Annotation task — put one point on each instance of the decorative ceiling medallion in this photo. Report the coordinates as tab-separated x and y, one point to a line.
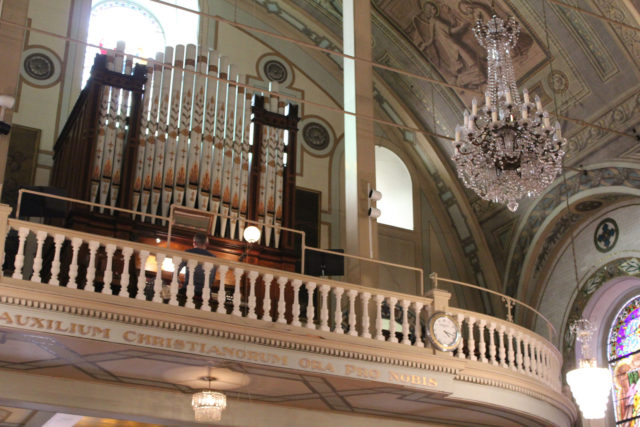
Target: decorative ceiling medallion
273	68
275	71
606	235
588	205
40	66
558	82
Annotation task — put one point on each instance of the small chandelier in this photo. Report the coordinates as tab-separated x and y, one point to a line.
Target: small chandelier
589	384
208	404
505	151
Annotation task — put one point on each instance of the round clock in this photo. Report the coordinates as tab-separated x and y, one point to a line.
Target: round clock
443	331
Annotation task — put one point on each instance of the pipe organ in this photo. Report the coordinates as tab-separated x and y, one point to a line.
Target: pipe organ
182	130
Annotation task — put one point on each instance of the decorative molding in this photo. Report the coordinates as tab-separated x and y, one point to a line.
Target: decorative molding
486	374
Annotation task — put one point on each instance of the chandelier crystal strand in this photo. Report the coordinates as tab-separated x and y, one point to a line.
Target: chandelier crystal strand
506	150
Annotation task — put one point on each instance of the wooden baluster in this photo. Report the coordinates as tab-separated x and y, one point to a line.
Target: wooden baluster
58	240
405	321
392	319
379	334
91	269
482	346
295	308
191	286
471	342
510	352
73	268
352	294
157	283
461	343
223	269
23	232
142	279
502	352
324	308
282	307
519	358
107	277
365	297
492	343
310	286
527	356
237	293
417	306
124	279
37	261
337	313
253	276
266	301
175	285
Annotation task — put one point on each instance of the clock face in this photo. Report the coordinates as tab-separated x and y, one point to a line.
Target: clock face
444	332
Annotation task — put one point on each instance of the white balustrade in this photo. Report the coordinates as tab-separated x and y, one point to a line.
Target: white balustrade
337	314
485	339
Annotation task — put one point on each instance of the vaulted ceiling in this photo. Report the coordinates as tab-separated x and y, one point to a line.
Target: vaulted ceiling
581	58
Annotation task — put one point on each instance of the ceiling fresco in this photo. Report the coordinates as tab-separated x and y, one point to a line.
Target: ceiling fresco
581	58
443	32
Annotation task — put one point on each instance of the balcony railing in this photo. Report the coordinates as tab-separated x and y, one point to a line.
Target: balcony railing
124	269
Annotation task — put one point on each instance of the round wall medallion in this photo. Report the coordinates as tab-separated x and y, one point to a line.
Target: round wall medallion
40	66
606	235
316	136
273	68
275	71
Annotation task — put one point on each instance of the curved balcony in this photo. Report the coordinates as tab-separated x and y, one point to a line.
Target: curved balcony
282	320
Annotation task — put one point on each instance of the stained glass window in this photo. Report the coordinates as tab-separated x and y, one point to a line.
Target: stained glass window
624	363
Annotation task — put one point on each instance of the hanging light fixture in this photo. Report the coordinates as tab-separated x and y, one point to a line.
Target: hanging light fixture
508	149
589	384
208	404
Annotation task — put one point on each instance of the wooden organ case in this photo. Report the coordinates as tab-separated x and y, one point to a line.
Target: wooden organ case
183	130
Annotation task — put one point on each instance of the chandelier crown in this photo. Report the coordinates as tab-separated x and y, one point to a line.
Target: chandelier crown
506	151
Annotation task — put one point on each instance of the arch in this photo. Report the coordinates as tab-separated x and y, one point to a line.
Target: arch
622	178
146	27
393	180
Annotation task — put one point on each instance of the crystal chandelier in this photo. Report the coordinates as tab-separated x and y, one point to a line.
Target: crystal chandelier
208	404
589	384
505	150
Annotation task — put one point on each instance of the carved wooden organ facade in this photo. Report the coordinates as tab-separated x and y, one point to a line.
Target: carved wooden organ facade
183	130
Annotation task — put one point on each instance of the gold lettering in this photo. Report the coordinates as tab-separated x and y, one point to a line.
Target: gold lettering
241	354
433	382
416	379
19	320
158	341
59	327
72	329
304	363
178	345
49	324
349	369
228	351
394	376
6	317
127	338
37	322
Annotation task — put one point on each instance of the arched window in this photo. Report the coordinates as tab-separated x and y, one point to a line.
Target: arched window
146	27
394	182
624	361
